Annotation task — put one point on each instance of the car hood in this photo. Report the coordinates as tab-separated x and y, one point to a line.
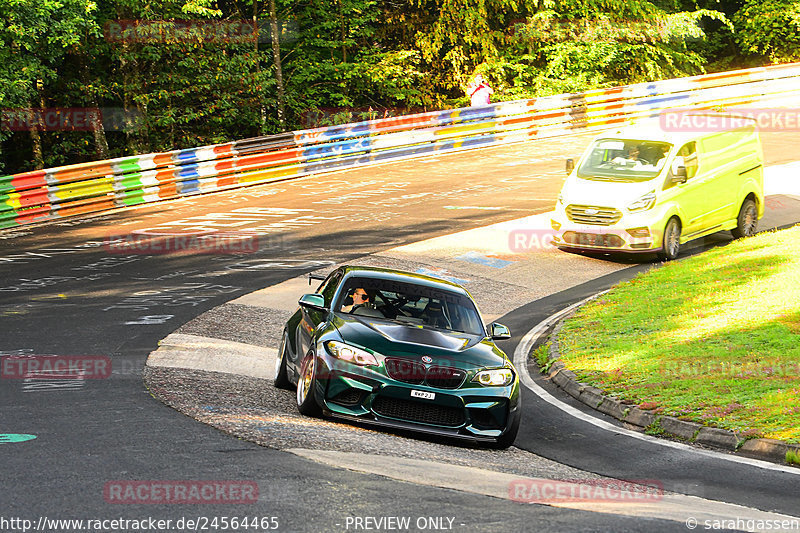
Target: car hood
604	193
460	350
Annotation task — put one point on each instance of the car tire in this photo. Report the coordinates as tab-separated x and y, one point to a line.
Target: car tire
747	221
306	384
281	380
671	241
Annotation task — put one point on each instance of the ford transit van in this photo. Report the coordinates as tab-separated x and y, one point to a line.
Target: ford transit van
641	189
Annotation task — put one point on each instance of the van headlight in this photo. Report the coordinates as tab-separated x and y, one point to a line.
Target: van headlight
642	204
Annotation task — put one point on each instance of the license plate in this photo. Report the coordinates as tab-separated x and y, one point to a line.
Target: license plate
423	394
591	239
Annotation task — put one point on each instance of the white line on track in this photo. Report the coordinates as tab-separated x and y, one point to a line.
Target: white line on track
521	354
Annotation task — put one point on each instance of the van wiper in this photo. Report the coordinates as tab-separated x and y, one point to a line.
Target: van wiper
603	178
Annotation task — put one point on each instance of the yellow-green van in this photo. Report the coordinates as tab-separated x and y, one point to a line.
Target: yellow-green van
641	189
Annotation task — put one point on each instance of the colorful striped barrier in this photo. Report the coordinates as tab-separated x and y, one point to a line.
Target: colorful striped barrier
97	186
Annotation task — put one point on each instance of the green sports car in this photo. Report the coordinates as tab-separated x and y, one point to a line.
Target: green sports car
399	349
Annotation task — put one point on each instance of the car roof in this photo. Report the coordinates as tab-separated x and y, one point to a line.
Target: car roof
402	275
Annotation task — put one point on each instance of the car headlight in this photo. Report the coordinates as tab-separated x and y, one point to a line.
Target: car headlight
644	203
351	354
497	377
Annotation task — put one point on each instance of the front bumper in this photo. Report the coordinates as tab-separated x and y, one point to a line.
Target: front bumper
633	233
470	412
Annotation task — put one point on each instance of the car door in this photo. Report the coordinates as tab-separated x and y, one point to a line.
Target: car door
311	318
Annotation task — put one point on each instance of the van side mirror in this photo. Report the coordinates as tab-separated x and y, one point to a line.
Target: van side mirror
678	171
570	166
680	175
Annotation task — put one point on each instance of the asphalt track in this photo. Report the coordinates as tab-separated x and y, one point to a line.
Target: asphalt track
65	291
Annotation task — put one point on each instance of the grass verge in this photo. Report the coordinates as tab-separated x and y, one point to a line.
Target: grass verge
714	338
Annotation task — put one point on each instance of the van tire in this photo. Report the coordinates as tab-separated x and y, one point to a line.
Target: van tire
671	240
747	221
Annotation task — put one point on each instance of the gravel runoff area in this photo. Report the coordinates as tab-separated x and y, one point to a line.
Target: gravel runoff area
253	410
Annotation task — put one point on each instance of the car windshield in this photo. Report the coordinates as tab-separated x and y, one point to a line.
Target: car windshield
410	304
624	160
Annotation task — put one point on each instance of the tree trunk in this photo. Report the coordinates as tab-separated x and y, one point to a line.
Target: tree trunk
276	54
134	114
98	130
37	126
36	138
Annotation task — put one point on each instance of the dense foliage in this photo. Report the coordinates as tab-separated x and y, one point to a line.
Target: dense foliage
178	73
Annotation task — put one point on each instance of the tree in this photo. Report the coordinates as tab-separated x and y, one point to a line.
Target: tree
35	38
769	28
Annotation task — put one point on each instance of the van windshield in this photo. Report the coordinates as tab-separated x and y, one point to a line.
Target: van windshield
624	160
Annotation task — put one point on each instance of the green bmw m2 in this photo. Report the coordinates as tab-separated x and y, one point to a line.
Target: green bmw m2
402	350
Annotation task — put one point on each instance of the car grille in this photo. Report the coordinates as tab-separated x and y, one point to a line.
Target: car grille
425	413
594	215
445	377
442	377
405	370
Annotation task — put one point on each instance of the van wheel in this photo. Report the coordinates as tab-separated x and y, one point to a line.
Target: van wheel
747	221
672	240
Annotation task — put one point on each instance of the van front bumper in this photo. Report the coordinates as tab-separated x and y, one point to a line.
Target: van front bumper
630	239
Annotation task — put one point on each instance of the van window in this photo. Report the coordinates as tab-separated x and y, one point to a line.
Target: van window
689	153
623	160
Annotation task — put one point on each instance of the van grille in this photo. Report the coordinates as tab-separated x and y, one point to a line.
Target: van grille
593	239
594	215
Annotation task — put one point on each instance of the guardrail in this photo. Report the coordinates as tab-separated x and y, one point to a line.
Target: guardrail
97	186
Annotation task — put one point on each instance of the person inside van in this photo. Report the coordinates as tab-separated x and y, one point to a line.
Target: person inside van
632	159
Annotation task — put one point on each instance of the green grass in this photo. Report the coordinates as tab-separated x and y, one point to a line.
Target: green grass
542	356
792	457
714	338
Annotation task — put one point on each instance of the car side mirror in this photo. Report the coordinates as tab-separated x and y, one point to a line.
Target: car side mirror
499	332
313	301
570	166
